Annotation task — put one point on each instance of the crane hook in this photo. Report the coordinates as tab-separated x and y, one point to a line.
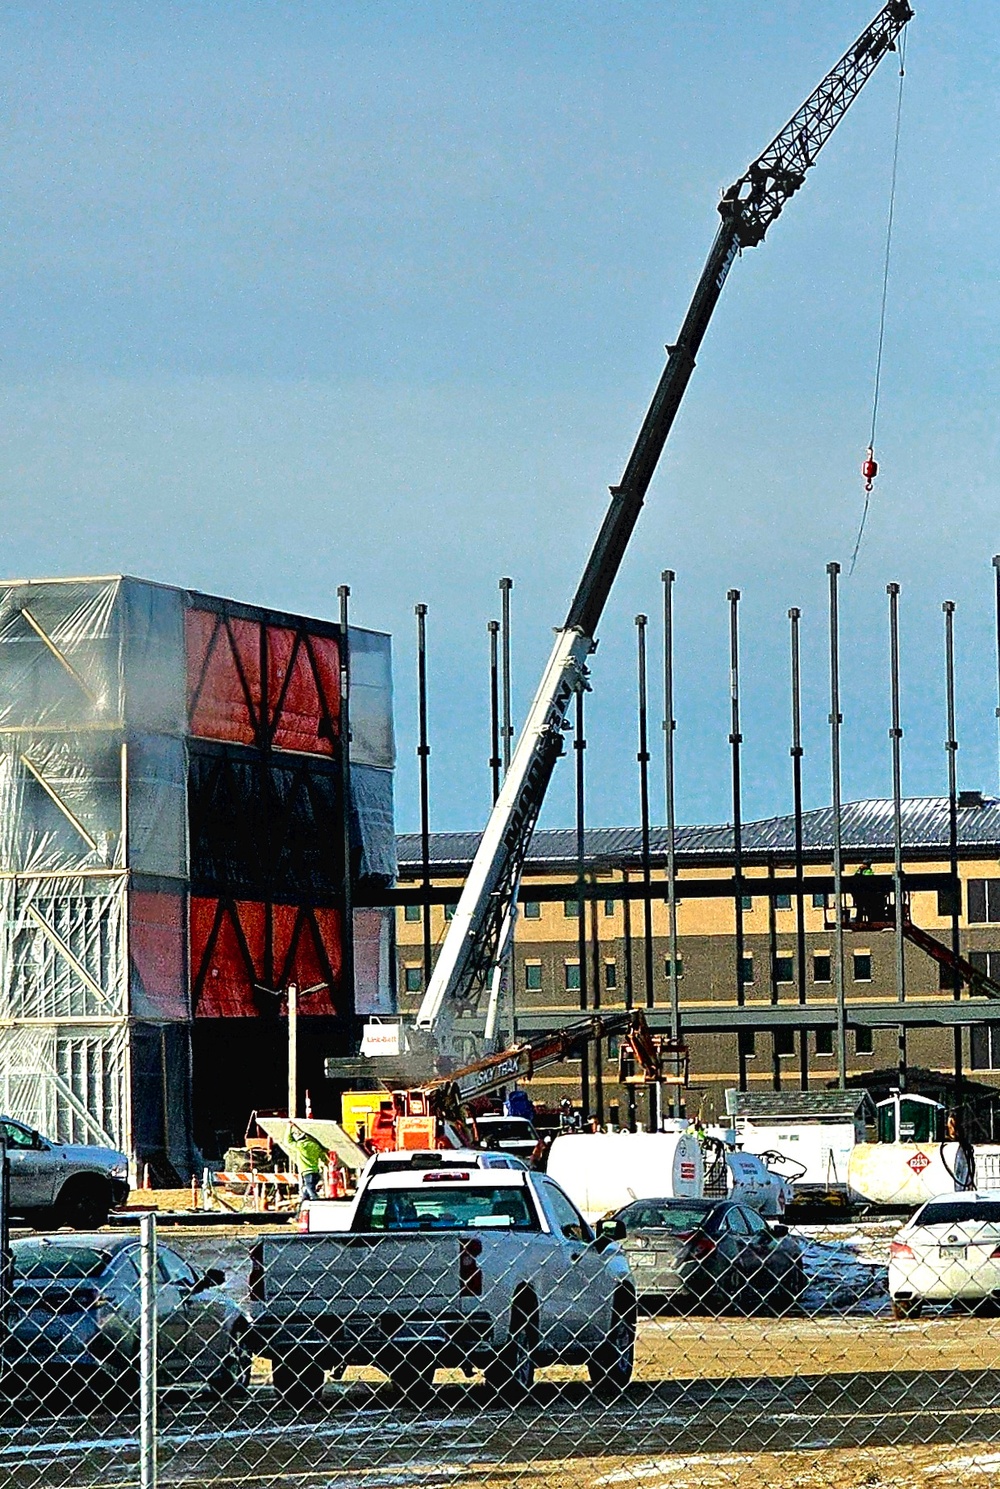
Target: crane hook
869	468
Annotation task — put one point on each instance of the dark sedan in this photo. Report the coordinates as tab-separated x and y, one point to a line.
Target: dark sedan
711	1253
74	1317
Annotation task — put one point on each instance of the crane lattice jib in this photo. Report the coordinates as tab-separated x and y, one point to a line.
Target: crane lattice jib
780	170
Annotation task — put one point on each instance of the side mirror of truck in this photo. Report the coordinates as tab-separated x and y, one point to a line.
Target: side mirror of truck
610	1230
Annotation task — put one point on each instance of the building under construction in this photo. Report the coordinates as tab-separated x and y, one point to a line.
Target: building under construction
177	804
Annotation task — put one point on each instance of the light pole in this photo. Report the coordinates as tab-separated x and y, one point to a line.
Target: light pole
292	993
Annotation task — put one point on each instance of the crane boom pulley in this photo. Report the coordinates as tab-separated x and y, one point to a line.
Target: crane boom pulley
472	944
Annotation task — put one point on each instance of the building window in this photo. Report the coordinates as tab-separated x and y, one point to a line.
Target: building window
746	901
949	901
819	901
411	912
784	1042
984	901
610	974
862	966
573	977
824	1040
782	902
533	976
747	1041
784	969
680	967
449	910
531	910
821	966
985	1046
746	971
987	962
864	1043
413	979
610	906
571	909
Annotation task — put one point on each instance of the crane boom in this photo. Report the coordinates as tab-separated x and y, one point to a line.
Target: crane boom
748	208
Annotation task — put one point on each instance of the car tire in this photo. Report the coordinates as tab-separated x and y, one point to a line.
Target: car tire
610	1369
907	1307
298	1381
511	1374
83	1204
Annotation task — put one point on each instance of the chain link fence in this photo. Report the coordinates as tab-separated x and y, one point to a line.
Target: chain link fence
472	1328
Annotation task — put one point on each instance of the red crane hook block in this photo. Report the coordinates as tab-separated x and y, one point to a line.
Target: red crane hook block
869	468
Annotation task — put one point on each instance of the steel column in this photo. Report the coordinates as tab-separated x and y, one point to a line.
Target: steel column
507	731
836	719
951	747
794	616
347	948
896	736
495	760
423	754
580	745
629	986
669	728
642	756
735	740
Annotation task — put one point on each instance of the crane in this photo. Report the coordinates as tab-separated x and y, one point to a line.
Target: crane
479	934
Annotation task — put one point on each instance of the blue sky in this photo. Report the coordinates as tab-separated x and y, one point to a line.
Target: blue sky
298	295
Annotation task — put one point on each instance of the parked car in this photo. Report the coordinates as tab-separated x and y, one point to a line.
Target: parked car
74	1317
471	1268
948	1252
711	1252
515	1135
65	1182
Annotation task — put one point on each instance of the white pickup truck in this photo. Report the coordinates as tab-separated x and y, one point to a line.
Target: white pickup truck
473	1269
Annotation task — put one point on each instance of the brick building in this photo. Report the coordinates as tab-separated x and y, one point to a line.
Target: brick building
786	1031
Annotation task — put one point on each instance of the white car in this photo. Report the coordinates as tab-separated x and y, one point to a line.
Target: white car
948	1252
508	1134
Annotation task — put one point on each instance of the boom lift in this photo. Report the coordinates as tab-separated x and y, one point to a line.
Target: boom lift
433	1115
478	936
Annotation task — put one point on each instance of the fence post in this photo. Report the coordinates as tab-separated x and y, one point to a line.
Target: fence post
147	1352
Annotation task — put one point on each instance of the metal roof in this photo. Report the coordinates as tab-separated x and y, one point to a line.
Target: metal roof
866	830
823	1104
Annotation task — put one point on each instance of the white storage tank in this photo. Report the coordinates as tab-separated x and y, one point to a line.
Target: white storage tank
602	1171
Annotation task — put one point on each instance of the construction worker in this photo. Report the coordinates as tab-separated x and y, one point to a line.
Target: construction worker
870	900
308	1156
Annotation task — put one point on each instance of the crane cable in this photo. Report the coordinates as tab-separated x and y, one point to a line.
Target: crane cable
870	469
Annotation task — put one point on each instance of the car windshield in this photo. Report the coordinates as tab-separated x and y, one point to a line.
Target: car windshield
438	1206
663	1216
955	1211
41	1261
507	1128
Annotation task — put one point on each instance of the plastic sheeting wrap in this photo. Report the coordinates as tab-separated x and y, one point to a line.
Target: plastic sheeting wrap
264	824
374	983
373	740
261	680
373	836
87	652
241	948
69	1083
62	948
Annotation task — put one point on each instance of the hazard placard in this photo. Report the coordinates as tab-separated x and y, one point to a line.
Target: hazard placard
918	1162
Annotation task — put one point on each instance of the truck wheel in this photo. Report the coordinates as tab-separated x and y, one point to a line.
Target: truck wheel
512	1373
84	1204
231	1381
298	1381
610	1369
907	1307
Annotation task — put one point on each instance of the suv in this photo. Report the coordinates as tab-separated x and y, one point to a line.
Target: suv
510	1134
77	1186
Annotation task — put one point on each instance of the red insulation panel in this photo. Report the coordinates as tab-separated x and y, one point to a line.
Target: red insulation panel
240	946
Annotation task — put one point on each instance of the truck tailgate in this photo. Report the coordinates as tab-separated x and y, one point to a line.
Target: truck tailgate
361	1274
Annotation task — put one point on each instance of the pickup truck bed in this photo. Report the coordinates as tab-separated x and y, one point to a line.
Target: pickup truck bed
475	1269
